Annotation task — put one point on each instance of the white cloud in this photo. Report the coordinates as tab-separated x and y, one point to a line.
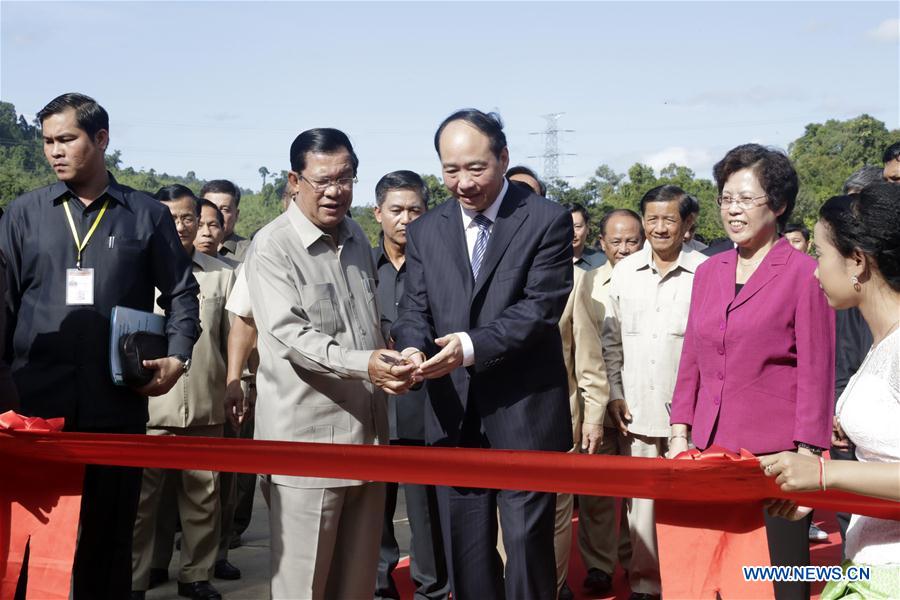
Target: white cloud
887	31
698	160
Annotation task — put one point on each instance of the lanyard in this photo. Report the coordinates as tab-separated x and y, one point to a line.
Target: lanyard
82	244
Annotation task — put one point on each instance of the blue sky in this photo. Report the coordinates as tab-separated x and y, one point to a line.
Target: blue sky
222	88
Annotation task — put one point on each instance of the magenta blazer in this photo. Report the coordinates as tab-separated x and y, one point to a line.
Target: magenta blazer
757	370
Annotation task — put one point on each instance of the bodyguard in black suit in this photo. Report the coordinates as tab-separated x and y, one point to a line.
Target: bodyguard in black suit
488	274
400	198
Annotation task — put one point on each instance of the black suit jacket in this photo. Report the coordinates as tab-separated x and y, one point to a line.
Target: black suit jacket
516	392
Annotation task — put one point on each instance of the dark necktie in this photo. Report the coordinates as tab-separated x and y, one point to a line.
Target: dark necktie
481	241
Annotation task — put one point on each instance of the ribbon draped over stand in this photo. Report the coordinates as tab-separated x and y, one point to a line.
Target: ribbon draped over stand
713	477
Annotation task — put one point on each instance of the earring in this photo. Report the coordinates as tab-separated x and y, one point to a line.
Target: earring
855	281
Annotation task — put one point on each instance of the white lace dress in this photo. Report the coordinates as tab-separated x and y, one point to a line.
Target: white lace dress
869	413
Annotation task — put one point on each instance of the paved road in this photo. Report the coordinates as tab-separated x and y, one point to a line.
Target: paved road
252	558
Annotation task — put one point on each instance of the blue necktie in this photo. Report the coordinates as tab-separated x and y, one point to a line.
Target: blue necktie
481	241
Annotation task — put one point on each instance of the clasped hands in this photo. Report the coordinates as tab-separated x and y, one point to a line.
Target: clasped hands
396	372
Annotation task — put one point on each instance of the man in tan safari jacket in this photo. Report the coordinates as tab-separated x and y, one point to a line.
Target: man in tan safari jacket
195	407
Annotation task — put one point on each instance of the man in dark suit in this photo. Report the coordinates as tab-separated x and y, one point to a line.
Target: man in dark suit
401	197
488	274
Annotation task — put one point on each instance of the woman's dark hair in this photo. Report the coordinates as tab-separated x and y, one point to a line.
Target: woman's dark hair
868	222
324	140
772	168
176	191
490	124
668	193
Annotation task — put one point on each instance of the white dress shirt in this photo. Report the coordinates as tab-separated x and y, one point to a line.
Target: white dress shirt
470	228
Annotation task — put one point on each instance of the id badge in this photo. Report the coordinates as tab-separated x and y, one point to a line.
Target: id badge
79	287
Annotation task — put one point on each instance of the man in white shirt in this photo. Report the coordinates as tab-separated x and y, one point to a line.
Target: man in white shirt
649	298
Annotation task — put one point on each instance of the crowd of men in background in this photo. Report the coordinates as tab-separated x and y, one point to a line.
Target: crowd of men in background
469	328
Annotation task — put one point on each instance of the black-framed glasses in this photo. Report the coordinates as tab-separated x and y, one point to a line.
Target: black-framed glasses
344	183
744	202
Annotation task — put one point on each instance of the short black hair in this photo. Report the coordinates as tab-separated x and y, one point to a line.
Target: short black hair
861	178
772	168
401	180
792	227
868	222
175	192
892	152
490	124
575	207
90	116
222	186
324	140
210	204
695	204
523	170
668	193
621	212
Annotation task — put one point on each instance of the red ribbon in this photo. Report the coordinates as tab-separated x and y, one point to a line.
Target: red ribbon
713	476
43	470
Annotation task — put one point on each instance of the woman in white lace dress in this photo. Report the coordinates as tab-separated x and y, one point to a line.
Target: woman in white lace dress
858	242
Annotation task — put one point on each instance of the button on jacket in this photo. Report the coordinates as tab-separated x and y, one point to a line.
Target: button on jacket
60	353
643	333
318	319
198	396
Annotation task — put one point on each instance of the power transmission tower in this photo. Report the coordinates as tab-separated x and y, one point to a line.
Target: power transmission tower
551	146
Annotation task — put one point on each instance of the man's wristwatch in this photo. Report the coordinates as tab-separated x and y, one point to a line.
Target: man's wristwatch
185	362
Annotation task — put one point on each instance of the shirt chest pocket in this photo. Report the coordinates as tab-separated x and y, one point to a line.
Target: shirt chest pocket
633	315
677	317
321	305
211	310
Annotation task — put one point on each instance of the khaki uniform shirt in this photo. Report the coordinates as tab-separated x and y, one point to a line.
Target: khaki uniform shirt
197	398
234	247
643	333
578	327
600	292
318	321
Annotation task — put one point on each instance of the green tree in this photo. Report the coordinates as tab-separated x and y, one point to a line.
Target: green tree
827	153
437	191
264	172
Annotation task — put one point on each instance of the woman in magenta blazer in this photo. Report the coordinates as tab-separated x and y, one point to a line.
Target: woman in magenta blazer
757	367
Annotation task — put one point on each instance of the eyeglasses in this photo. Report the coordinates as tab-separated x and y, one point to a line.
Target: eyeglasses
184	220
744	202
344	183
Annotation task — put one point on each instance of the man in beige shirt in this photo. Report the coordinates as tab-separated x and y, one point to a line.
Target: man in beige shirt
649	298
192	407
602	535
321	355
588	395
